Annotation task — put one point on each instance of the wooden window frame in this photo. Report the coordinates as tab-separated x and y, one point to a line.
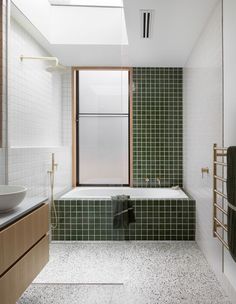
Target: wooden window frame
74	119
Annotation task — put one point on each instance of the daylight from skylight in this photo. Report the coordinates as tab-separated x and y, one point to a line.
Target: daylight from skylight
106	3
102	25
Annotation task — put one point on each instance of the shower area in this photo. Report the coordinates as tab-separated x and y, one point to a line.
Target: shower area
128	140
38	113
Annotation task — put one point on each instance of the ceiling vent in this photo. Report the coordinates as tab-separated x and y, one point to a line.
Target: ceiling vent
146	23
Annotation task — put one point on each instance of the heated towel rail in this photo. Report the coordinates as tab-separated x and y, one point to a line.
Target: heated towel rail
220	229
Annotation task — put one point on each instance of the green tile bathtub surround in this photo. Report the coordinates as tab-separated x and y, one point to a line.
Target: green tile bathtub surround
155	220
157	126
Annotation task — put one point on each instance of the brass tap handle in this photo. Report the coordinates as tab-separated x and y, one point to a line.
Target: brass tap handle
205	171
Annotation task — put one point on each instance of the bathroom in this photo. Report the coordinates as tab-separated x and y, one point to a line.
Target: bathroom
117	135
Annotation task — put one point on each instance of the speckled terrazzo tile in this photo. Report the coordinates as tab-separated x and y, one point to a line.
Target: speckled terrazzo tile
67	294
152	272
88	263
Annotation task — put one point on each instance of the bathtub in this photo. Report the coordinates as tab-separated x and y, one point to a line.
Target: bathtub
86	214
134	193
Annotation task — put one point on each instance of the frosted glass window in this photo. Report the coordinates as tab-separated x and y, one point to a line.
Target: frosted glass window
103	153
103	121
103	91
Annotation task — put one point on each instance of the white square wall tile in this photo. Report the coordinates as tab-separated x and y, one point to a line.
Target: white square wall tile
39	118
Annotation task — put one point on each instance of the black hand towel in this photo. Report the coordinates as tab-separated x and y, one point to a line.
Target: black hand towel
123	211
231	195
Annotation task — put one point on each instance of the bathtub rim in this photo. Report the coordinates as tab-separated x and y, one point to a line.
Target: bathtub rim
106	198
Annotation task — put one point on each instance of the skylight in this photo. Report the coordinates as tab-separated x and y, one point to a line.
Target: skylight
85	25
93	3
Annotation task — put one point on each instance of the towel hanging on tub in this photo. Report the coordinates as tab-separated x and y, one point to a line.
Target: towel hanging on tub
123	211
231	195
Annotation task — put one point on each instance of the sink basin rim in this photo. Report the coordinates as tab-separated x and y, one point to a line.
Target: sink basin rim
5	190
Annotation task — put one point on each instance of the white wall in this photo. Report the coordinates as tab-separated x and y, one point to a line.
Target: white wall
35	107
2	166
35	119
203	127
3	97
229	72
67	108
229	21
38	12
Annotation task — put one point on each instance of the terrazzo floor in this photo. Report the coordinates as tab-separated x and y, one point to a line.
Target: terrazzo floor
125	273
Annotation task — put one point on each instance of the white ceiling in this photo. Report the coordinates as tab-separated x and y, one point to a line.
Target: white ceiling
176	28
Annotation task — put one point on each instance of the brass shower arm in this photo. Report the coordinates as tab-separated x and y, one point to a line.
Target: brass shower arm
22	57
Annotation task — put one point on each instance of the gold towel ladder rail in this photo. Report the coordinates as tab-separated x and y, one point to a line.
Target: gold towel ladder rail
220	228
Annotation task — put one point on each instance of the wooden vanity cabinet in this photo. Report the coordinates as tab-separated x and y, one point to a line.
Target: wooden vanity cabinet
24	251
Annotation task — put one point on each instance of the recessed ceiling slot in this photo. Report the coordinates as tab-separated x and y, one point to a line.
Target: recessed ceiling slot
146	21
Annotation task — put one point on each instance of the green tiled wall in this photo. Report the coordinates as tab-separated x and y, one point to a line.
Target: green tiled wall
155	220
157	126
157	152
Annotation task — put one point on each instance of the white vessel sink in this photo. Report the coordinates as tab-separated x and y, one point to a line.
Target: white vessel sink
11	196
